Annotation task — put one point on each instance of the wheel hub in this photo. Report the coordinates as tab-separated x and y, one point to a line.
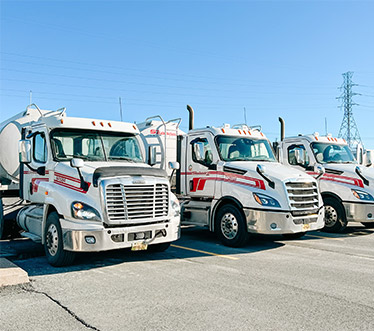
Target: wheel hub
52	240
331	216
229	226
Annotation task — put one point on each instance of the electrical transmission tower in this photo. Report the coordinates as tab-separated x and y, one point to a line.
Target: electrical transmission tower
348	129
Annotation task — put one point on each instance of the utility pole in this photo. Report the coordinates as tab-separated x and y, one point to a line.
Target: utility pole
348	129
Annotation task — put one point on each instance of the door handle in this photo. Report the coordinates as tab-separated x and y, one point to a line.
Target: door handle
191	185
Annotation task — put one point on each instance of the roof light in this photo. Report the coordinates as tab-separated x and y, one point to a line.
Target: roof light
223	130
134	126
101	123
239	132
62	121
110	125
93	123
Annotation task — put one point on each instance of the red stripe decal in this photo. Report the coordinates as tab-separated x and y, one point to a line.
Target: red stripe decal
73	179
75	188
199	182
340	179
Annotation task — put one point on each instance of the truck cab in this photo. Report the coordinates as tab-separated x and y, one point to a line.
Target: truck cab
230	181
347	188
88	187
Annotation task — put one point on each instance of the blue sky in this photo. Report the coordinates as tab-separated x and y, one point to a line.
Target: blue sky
275	58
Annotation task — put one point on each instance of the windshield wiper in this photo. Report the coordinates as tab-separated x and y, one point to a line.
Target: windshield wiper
122	158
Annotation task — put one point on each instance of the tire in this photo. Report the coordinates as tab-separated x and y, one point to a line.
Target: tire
369	225
293	236
230	226
1	219
335	219
53	243
159	247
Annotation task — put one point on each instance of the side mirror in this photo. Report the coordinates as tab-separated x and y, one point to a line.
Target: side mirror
77	163
318	168
152	155
24	150
300	157
196	149
174	165
261	169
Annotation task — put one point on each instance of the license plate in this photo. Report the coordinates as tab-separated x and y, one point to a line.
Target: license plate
306	226
139	246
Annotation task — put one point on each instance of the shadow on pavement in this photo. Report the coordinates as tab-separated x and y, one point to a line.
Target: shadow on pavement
195	242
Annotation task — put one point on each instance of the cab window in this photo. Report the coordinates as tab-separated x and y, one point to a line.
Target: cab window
201	151
40	148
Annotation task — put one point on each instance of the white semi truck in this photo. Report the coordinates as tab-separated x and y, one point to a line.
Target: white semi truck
230	181
347	188
85	185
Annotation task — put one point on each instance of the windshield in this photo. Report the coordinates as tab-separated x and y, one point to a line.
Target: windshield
244	149
331	153
95	145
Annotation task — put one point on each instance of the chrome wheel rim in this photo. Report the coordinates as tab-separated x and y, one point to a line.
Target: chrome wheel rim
331	216
52	240
229	226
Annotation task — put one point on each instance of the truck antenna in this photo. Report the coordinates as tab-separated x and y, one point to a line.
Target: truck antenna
30	98
120	107
326	125
245	116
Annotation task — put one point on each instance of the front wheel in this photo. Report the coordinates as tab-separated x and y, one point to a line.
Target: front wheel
369	225
335	220
53	243
230	226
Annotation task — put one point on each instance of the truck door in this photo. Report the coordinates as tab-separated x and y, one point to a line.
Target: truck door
201	164
36	172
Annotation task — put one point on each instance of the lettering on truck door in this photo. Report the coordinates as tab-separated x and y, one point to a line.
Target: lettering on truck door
201	167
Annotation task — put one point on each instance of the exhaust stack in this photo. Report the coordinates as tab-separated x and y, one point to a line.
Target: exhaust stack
191	120
281	128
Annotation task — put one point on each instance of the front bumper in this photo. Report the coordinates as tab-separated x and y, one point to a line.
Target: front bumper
269	222
359	212
121	237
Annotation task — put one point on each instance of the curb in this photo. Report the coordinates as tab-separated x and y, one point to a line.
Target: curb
10	274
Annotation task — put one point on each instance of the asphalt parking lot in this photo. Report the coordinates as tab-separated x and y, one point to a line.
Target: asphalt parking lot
322	281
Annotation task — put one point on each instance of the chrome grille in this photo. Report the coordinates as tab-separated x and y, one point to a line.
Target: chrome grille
135	202
303	197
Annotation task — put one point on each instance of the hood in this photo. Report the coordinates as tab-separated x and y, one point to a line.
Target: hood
273	170
349	170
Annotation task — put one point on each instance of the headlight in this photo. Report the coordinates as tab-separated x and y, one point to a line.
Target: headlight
175	206
265	200
84	212
362	195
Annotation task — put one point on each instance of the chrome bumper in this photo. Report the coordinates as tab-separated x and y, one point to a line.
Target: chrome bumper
122	237
268	222
359	212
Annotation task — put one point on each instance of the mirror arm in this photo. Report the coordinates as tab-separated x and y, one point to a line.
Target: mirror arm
84	185
270	182
366	182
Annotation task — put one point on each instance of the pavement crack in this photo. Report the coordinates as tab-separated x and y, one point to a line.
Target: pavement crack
31	289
